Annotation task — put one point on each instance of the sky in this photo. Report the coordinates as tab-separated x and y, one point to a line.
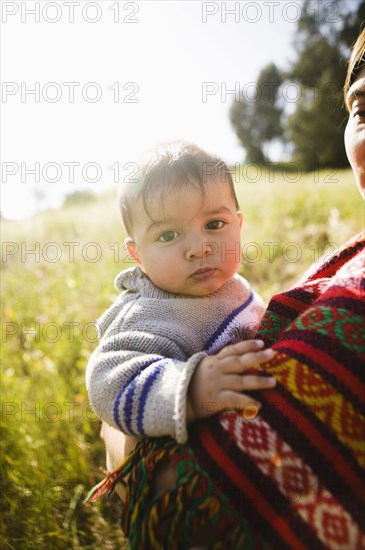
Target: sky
88	86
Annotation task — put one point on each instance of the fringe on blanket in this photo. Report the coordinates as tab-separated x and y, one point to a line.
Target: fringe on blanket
175	518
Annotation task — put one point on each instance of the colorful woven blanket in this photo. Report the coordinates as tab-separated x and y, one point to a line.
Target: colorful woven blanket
292	477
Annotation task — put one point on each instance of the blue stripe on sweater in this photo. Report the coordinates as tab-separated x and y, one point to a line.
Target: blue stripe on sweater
128	389
128	404
148	383
227	320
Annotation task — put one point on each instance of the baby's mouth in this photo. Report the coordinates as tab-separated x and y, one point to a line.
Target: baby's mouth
203	273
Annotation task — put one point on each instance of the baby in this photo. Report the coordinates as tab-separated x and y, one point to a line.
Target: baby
159	366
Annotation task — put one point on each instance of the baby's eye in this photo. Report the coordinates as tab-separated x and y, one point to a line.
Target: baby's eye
215	224
168	236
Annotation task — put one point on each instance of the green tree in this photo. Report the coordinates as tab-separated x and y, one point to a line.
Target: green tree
316	126
314	122
257	120
353	22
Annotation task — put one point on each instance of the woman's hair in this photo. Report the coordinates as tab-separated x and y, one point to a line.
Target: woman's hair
170	167
357	61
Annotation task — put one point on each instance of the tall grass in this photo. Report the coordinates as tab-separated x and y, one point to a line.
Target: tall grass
50	449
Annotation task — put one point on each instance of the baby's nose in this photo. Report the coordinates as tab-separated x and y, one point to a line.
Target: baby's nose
198	249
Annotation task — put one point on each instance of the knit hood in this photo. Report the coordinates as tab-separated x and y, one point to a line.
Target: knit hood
131	279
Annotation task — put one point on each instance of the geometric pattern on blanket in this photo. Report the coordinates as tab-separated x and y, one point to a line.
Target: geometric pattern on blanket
296	481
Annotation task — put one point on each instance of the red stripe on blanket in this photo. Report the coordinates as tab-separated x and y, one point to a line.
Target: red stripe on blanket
328	363
249	489
334	263
354	293
303	426
290	302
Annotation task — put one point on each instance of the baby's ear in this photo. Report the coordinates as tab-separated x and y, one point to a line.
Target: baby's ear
132	248
240	217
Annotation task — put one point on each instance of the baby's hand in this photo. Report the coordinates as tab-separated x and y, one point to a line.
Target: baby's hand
219	380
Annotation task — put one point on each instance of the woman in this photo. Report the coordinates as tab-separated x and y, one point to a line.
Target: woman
294	476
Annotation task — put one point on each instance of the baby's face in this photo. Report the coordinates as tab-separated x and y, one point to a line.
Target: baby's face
189	243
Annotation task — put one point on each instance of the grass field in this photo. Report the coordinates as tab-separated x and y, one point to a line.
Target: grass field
57	278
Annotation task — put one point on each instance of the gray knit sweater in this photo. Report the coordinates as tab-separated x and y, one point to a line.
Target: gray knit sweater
150	343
